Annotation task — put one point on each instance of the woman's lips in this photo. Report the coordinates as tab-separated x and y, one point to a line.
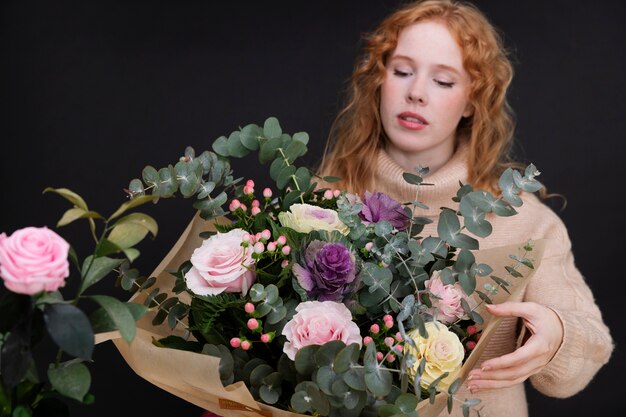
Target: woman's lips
412	121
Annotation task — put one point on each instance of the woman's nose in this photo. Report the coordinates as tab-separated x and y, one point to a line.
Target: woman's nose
417	91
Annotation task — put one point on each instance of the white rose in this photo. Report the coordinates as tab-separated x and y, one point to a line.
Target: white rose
305	218
443	352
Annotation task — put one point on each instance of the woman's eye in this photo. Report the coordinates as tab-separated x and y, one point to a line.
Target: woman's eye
443	83
399	73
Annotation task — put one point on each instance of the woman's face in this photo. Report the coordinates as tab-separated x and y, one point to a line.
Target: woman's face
424	95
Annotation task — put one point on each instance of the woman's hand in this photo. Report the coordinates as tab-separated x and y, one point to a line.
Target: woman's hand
546	336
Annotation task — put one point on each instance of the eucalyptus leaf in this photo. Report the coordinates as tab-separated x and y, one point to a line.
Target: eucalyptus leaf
250	135
509	189
305	359
235	147
220	146
412	178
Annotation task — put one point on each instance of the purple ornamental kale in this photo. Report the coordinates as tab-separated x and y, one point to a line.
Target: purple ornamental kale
327	271
379	206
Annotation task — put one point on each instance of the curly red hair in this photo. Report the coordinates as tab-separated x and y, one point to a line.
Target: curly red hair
357	134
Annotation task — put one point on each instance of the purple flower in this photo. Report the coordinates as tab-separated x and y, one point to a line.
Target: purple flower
379	206
326	271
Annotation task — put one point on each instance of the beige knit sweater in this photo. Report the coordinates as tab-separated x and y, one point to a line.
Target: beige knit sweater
587	343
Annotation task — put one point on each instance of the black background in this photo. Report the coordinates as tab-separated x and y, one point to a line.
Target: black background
92	91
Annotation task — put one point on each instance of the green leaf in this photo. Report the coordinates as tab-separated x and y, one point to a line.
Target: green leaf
220	146
528	183
188	175
383	228
69	195
503	209
474	218
468	283
77	213
272	129
276	167
260	372
510	191
102	322
96	270
301	402
449	229
119	314
301	137
70	329
132	229
269	395
235	147
294	150
21	411
482	269
227	363
71	379
284	177
377	379
407	403
412	178
135	187
135	202
269	150
303	178
250	136
305	359
326	355
330	179
513	272
168	184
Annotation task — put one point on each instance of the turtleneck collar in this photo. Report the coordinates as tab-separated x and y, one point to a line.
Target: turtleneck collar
388	179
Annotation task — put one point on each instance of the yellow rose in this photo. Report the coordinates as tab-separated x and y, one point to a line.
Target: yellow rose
443	352
305	218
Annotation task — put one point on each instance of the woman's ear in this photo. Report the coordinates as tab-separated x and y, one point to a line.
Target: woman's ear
469	110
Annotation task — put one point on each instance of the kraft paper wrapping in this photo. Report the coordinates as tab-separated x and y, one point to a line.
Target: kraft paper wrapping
195	377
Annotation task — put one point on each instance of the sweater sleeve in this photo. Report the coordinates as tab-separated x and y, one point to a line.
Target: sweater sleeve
587	343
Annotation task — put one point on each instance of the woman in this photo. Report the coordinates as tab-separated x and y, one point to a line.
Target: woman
430	90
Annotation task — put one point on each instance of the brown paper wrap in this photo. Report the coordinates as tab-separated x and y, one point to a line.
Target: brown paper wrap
195	377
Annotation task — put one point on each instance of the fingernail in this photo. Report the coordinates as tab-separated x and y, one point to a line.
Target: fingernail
469	378
485	368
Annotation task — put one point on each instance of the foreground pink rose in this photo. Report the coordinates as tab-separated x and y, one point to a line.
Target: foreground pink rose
447	299
33	259
318	322
221	265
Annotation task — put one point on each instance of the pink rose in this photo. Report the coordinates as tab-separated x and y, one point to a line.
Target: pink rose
221	265
33	259
318	322
447	299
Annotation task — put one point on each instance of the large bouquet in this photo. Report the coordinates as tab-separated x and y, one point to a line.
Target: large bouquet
305	299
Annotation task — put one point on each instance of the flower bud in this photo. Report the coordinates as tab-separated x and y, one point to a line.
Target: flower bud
250	183
281	240
284	263
266	338
379	356
470	345
367	340
328	194
471	329
243	207
271	246
267	193
286	250
235	342
390	358
255	203
246	238
245	345
248	190
399	348
266	234
253	324
255	210
259	247
368	246
234	205
249	308
336	193
399	337
374	328
389	341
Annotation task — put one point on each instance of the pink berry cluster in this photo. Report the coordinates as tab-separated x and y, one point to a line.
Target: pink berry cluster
471	338
388	345
263	246
255	329
239	207
330	194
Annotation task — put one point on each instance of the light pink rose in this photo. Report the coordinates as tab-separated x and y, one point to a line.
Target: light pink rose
33	259
221	265
447	299
318	322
